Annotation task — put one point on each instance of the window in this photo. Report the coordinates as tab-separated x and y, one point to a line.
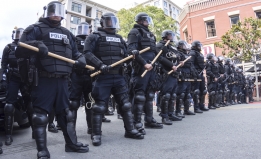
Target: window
98	14
210	27
174	16
76	7
234	19
75	20
258	14
178	12
73	30
185	33
156	3
166	11
173	9
165	4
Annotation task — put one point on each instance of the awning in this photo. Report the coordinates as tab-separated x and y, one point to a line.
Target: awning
252	69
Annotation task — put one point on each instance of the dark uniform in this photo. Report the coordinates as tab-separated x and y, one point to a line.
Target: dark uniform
14	84
169	87
103	48
81	82
51	90
212	72
187	71
221	85
228	81
143	88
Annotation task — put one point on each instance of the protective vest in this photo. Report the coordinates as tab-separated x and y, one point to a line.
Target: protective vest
214	69
80	44
187	65
147	40
109	48
57	42
221	68
199	60
12	60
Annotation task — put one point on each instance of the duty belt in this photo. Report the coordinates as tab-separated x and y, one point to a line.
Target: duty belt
82	71
52	75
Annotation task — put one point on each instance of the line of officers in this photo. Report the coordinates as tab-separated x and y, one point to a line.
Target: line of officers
49	84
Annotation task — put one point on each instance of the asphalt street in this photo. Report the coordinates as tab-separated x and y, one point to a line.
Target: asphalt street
232	132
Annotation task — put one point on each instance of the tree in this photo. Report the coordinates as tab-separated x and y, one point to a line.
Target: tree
242	40
161	21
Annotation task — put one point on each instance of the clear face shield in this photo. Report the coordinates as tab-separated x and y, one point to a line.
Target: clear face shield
185	46
111	22
215	59
172	37
55	9
148	20
83	29
18	33
221	59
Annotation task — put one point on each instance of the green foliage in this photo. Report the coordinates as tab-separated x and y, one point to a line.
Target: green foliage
161	21
242	40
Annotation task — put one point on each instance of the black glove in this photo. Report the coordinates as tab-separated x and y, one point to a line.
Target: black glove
165	49
105	68
3	85
80	62
135	53
43	50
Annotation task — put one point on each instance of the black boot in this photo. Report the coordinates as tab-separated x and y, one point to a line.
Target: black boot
1	144
198	111
153	124
165	108
119	116
180	115
40	121
179	105
186	108
211	100
171	106
202	102
9	120
52	128
89	118
105	120
196	102
67	123
166	121
139	101
96	129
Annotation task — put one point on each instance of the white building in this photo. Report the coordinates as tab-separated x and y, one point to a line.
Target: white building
83	11
169	8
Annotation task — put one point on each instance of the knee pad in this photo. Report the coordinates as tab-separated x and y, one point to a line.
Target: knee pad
221	91
196	92
74	105
212	93
204	92
166	97
140	97
99	107
39	117
126	106
235	95
173	96
150	96
181	96
9	109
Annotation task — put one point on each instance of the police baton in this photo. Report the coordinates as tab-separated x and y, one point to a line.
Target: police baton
53	55
121	61
154	60
180	64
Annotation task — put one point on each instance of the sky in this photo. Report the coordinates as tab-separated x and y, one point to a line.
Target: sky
23	13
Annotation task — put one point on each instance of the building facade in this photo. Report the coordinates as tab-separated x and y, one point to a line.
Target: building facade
208	20
83	11
169	8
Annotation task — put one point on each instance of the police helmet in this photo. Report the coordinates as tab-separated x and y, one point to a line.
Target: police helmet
228	61
196	45
169	35
109	20
183	46
141	17
83	29
17	33
54	8
220	59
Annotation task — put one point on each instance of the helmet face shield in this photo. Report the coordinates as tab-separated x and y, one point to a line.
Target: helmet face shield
215	58
111	22
172	37
83	29
147	19
55	9
18	33
185	46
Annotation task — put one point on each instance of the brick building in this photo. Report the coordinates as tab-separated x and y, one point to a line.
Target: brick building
208	20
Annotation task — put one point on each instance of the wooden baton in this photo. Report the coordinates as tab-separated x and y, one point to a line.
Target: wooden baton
180	64
53	55
154	60
121	61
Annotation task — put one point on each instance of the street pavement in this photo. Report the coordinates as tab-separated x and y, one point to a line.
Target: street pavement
232	132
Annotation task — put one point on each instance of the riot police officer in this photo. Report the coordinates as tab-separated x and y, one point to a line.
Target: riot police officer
199	89
13	84
170	58
81	82
143	88
103	48
229	80
221	85
51	84
240	85
212	80
186	72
